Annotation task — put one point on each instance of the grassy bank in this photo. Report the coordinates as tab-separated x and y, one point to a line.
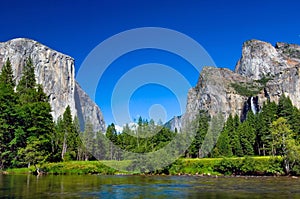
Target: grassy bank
228	166
204	166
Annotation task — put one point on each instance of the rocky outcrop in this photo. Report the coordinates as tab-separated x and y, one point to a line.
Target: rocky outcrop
87	110
55	71
174	124
263	72
280	63
214	93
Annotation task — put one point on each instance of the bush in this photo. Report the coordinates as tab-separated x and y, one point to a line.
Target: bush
250	166
229	166
77	167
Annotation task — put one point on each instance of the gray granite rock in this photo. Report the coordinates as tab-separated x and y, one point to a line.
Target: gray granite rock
56	72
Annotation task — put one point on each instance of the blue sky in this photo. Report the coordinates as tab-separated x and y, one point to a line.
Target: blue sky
76	27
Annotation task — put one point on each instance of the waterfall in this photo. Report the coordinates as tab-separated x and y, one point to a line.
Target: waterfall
253	107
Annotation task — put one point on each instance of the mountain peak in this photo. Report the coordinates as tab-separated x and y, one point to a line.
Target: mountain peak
55	71
260	59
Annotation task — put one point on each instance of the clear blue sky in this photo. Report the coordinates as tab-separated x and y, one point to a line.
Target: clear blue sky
76	27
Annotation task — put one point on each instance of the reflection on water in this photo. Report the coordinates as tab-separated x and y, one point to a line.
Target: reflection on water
93	186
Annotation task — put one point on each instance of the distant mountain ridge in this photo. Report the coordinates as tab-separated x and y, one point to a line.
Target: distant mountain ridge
263	72
56	72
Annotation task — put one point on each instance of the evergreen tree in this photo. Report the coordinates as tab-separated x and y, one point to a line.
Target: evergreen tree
88	141
296	123
70	139
285	108
195	148
111	134
7	77
216	125
247	138
101	147
232	126
8	100
265	119
223	147
290	113
32	138
27	80
26	87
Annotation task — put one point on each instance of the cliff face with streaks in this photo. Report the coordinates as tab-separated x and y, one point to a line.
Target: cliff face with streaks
56	72
263	72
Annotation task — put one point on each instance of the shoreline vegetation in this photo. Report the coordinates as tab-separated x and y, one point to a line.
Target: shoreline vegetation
237	166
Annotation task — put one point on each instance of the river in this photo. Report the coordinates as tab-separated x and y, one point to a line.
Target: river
97	186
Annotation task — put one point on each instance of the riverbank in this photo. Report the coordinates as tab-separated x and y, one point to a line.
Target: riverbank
258	166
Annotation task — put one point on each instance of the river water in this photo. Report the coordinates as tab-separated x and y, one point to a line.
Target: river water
97	186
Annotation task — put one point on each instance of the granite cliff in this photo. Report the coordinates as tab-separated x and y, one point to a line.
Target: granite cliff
56	72
263	72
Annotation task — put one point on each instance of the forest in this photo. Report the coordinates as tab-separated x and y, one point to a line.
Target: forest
29	136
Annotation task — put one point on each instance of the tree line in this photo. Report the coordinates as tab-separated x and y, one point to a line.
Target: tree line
273	131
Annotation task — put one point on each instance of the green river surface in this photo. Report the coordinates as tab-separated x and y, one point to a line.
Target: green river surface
99	186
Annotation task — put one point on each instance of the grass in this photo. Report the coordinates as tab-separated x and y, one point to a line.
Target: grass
77	168
19	170
264	165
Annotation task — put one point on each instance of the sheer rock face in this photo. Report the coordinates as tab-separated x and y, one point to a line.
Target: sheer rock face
87	110
214	91
55	71
281	63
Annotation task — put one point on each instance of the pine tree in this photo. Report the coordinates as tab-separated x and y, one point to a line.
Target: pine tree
88	141
27	80
232	126
101	147
265	119
195	148
32	139
70	137
216	125
296	123
285	108
7	77
247	138
111	134
223	147
8	101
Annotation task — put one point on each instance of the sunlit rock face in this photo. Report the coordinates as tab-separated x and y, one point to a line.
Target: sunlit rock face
281	63
55	71
215	91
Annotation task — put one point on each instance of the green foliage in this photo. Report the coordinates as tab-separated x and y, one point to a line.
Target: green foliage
264	80
229	166
27	81
246	89
284	143
78	168
223	147
247	138
195	148
8	103
26	124
251	88
290	113
28	135
265	118
250	166
6	76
